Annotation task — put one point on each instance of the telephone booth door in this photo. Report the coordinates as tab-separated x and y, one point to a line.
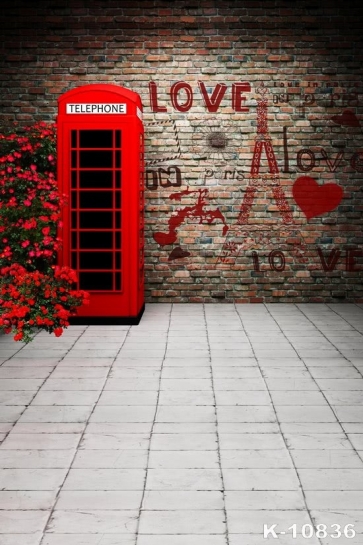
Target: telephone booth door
100	158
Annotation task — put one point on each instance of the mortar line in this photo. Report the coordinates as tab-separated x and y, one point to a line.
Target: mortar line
278	421
217	431
152	430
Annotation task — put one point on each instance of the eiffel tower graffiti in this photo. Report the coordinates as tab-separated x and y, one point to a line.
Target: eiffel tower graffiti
245	235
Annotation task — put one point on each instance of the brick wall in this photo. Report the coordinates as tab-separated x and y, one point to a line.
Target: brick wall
254	148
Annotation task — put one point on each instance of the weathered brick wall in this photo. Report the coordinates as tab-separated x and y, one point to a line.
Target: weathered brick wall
254	149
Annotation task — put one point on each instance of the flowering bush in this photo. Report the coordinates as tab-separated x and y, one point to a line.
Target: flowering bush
30	212
33	299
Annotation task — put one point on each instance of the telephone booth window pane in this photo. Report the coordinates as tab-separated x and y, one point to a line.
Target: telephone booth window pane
118	281
118	260
101	281
94	179
74	159
96	239
118	139
74	179
74	220
95	220
74	199
96	199
118	159
95	159
118	220
74	139
95	139
96	260
118	199
74	260
118	179
74	240
118	240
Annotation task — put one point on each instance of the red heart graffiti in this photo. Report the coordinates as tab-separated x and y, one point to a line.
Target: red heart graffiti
314	199
347	119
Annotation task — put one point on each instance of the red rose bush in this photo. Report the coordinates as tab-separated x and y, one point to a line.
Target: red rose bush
34	292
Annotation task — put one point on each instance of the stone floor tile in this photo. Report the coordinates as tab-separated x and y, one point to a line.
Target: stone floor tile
23	384
32	459
183	441
128	397
114	441
236	372
29	499
183	479
308	397
284	372
73	384
79	372
340	384
184	427
186	397
344	397
334	500
105	479
25	372
22	522
235	397
31	479
185	414
246	459
250	413
12	397
353	413
10	413
304	413
193	459
46	441
310	427
288	384
84	500
251	441
182	522
248	427
93	522
346	372
60	413
222	384
264	499
135	372
132	384
191	384
314	441
48	427
164	500
130	413
326	459
331	479
71	361
260	479
64	397
110	459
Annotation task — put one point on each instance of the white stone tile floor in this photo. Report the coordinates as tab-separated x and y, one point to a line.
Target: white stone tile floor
197	427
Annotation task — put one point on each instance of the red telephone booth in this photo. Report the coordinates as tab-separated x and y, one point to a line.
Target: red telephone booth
100	169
